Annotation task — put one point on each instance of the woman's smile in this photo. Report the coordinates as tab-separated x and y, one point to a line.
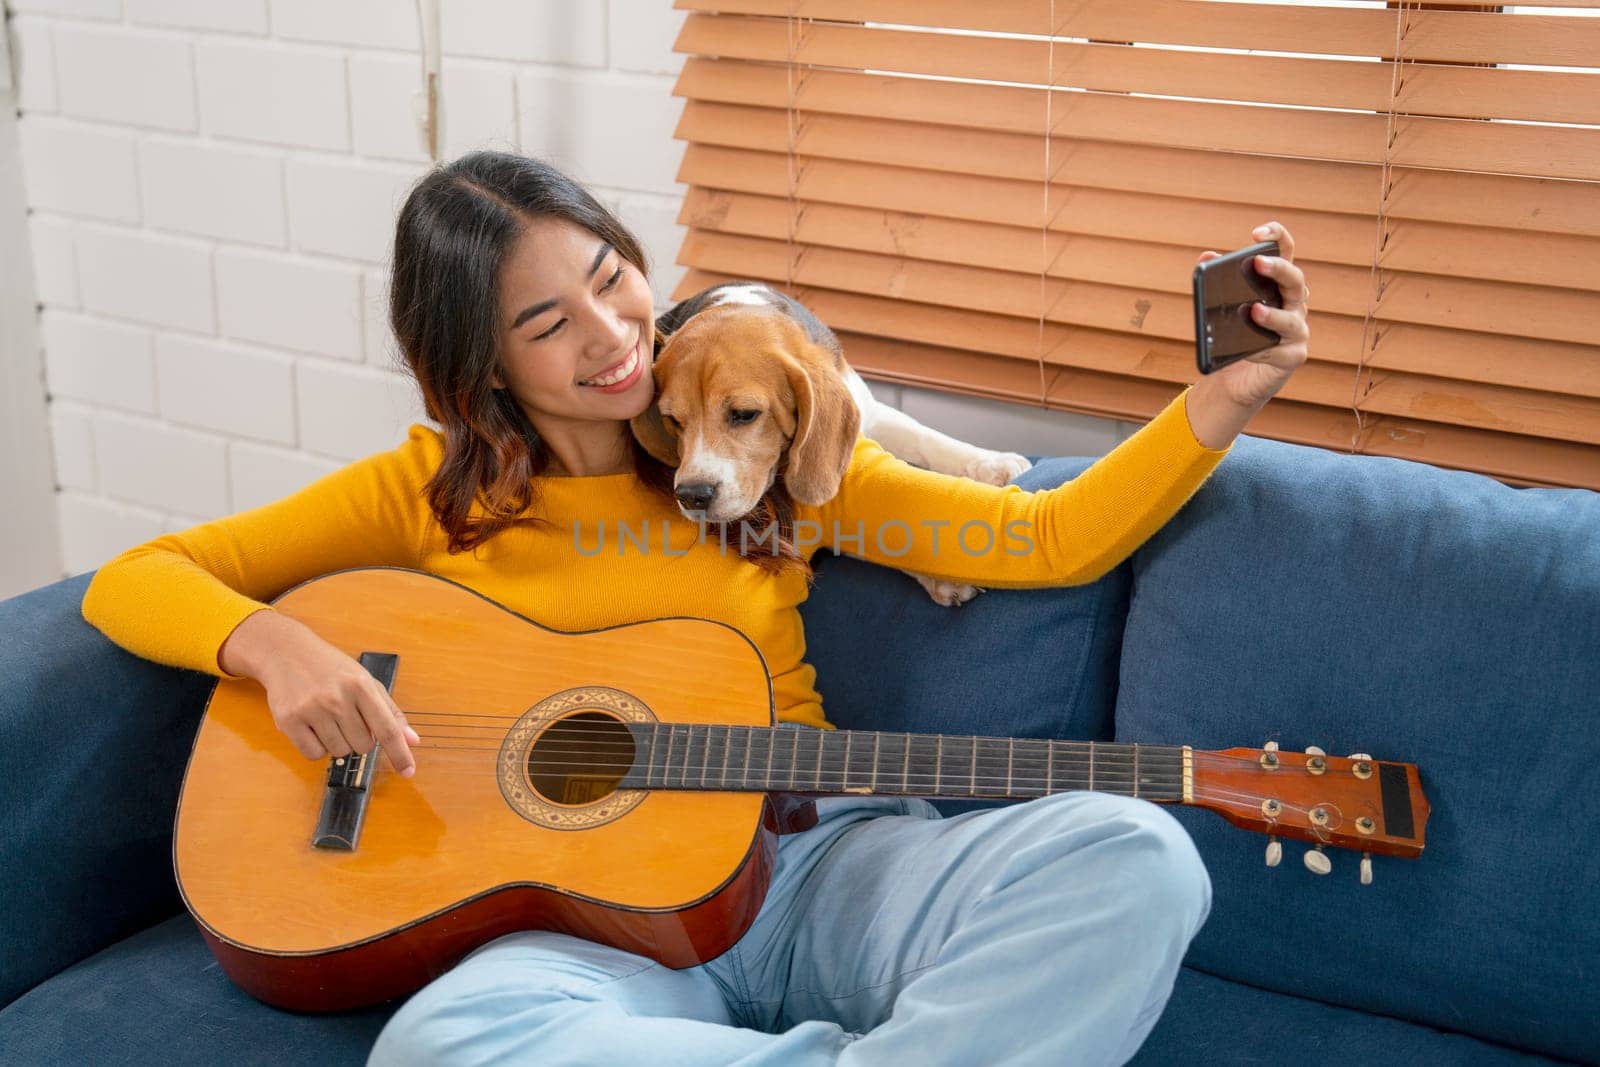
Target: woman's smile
618	376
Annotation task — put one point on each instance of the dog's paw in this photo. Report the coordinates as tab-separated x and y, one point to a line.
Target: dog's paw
950	594
996	468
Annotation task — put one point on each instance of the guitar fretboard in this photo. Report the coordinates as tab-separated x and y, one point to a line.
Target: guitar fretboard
757	759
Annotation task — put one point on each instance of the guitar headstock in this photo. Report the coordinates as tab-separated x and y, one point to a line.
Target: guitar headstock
1353	802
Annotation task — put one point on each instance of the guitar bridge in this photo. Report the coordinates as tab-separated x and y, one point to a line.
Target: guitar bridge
344	800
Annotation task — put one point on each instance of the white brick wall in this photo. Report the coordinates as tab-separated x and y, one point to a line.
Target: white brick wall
72	437
280	94
226	388
212	190
145	276
35	68
239	16
315	305
346	207
77	169
212	187
123	75
98	361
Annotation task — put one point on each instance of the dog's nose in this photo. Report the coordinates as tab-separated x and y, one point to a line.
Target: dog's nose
696	497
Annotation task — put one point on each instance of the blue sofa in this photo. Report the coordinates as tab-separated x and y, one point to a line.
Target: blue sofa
1302	596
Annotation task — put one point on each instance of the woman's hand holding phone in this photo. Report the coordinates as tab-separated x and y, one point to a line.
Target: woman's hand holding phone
1222	402
1253	380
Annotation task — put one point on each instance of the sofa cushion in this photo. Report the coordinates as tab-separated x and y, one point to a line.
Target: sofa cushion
159	997
865	623
1213	1020
1430	616
90	787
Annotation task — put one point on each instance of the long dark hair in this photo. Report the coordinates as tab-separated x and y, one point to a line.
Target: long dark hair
455	230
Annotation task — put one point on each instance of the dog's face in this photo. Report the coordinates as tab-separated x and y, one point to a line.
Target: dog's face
742	395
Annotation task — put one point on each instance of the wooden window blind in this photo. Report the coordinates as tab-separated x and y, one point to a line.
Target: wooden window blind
1006	198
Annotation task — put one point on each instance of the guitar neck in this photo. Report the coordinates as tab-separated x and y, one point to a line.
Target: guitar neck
828	762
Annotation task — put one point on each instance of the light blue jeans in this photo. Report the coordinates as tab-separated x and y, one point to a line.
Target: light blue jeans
1048	932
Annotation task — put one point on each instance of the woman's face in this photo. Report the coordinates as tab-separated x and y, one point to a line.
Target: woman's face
576	329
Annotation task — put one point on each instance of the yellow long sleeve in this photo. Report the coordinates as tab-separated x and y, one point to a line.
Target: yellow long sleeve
176	599
892	513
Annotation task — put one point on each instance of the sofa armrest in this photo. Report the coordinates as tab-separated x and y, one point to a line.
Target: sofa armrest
93	743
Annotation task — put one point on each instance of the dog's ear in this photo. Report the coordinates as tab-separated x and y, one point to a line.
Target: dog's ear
652	433
647	427
826	425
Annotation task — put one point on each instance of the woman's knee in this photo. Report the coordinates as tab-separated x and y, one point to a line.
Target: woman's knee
534	976
1148	851
1172	876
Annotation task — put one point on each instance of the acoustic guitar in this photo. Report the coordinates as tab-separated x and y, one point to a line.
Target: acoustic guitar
624	785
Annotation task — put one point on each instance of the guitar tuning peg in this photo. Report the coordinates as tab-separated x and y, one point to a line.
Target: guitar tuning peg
1366	868
1317	861
1274	851
1313	750
1270	746
1360	755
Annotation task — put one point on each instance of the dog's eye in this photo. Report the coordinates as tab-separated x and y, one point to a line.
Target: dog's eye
739	417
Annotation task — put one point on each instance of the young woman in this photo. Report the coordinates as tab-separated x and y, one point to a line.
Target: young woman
1045	932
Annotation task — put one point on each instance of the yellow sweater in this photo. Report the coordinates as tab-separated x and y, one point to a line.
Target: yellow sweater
616	552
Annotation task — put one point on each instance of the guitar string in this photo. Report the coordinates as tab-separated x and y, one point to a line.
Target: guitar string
1107	757
1070	747
987	775
611	726
840	777
836	779
987	766
838	786
1113	762
839	782
834	764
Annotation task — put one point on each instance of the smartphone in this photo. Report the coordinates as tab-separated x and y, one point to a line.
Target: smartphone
1224	289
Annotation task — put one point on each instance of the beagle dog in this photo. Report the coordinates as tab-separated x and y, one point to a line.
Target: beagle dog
751	384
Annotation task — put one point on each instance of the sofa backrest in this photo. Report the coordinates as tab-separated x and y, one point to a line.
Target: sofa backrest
1020	663
1436	617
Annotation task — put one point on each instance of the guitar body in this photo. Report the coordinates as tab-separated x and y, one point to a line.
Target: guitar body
465	850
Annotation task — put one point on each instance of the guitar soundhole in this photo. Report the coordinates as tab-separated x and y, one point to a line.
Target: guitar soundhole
580	759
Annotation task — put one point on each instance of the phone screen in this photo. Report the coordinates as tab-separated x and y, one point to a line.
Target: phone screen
1224	290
